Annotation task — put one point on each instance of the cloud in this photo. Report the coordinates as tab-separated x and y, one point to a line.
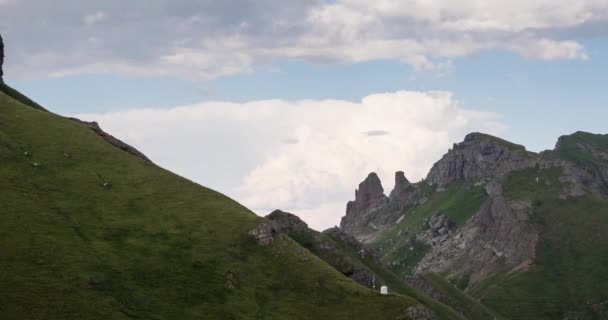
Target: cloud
375	133
291	141
207	39
94	18
240	148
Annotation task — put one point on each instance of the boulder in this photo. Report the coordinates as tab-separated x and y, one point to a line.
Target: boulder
275	225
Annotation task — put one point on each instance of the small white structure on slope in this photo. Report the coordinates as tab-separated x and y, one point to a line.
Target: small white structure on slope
384	290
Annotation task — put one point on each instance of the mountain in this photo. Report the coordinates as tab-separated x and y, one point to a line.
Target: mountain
91	229
521	233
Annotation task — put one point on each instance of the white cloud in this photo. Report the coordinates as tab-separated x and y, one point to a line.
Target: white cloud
307	156
209	39
94	18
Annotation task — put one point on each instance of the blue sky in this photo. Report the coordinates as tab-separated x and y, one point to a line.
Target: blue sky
547	98
245	96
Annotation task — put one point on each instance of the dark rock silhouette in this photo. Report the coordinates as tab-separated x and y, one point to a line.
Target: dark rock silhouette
112	140
1	59
368	198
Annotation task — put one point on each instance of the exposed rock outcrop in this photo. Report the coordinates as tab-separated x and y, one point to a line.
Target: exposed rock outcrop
369	197
1	59
500	234
111	139
401	185
587	155
286	222
479	156
440	224
275	225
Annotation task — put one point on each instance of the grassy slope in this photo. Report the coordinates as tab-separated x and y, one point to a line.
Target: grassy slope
570	275
459	299
150	245
569	148
572	147
9	91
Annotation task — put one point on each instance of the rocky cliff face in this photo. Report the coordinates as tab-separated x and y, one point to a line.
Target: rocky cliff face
1	59
479	156
401	186
369	197
415	228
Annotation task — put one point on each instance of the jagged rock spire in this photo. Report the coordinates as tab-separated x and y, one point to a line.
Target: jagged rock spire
401	183
369	190
1	59
368	197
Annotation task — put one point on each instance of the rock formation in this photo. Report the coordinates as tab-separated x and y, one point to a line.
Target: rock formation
368	198
401	185
111	139
479	156
1	59
499	234
277	224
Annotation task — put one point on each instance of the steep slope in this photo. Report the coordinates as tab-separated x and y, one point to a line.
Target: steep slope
351	258
90	232
504	225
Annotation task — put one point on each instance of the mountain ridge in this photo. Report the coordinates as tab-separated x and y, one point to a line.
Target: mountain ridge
482	211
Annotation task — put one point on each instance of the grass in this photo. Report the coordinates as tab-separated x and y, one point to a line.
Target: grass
339	254
533	182
569	277
569	148
9	91
148	245
472	309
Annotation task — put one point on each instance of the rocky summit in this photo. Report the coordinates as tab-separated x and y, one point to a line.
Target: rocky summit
369	197
490	214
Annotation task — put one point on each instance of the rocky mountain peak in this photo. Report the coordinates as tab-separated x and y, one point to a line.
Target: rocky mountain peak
369	189
1	59
582	140
368	197
401	184
401	180
478	156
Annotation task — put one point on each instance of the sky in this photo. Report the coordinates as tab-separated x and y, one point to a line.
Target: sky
290	104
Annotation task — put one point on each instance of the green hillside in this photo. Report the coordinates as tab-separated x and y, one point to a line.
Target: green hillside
91	232
342	255
569	278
